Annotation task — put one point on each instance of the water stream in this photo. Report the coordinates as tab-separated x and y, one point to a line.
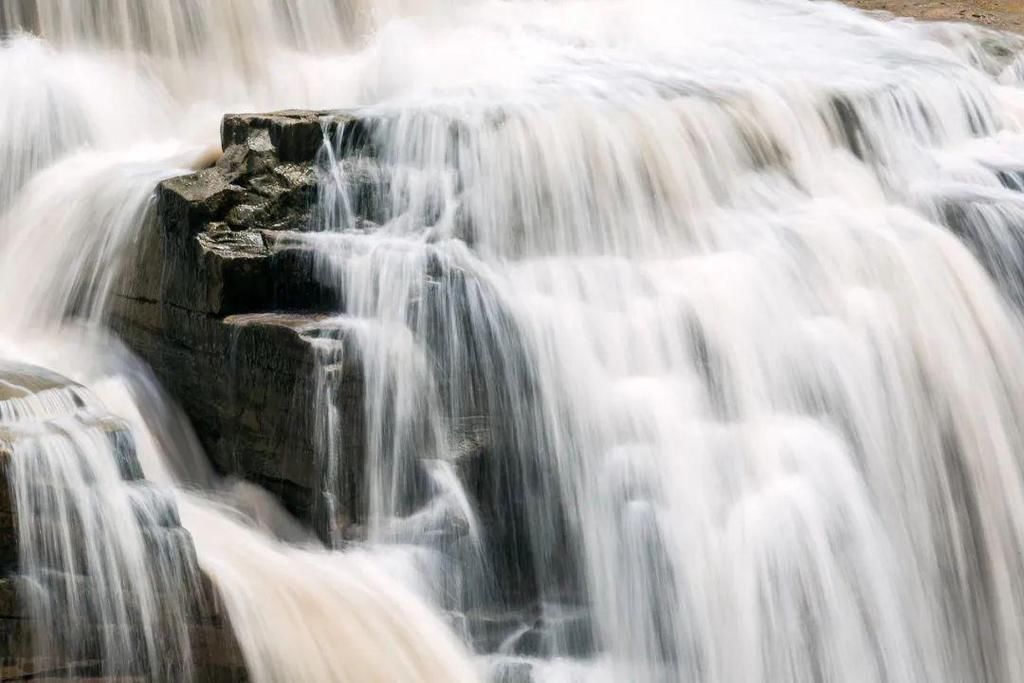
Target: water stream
732	289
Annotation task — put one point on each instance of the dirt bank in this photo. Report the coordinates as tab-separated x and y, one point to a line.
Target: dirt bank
1004	14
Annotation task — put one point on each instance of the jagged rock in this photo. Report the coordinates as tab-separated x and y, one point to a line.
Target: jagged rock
218	259
226	306
296	135
211	253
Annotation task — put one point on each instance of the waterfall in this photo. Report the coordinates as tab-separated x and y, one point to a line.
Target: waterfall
713	308
108	101
689	335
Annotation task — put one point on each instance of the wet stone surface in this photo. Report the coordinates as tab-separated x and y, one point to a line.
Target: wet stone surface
32	405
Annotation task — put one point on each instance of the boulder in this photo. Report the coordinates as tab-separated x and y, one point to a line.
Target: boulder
224	304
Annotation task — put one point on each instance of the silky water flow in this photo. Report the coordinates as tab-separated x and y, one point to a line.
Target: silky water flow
729	294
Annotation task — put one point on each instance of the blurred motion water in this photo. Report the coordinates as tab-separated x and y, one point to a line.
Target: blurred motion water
735	286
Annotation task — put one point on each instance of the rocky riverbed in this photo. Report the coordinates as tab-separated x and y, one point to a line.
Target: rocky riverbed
1001	14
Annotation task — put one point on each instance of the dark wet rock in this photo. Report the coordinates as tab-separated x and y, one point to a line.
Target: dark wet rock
19	428
556	631
567	634
225	304
351	136
216	655
295	135
493	630
248	384
368	184
211	248
510	670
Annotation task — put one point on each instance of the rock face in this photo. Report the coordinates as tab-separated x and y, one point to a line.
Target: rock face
226	307
215	654
227	314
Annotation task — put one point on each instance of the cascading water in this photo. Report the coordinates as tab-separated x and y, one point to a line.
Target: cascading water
755	412
727	294
110	103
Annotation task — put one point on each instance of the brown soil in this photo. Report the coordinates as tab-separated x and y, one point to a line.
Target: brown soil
1003	14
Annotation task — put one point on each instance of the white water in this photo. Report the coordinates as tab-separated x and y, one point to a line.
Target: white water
735	284
89	133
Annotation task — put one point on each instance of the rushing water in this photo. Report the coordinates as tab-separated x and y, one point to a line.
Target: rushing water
732	290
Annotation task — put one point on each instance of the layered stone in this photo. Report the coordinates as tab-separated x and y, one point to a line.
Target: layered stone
216	656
